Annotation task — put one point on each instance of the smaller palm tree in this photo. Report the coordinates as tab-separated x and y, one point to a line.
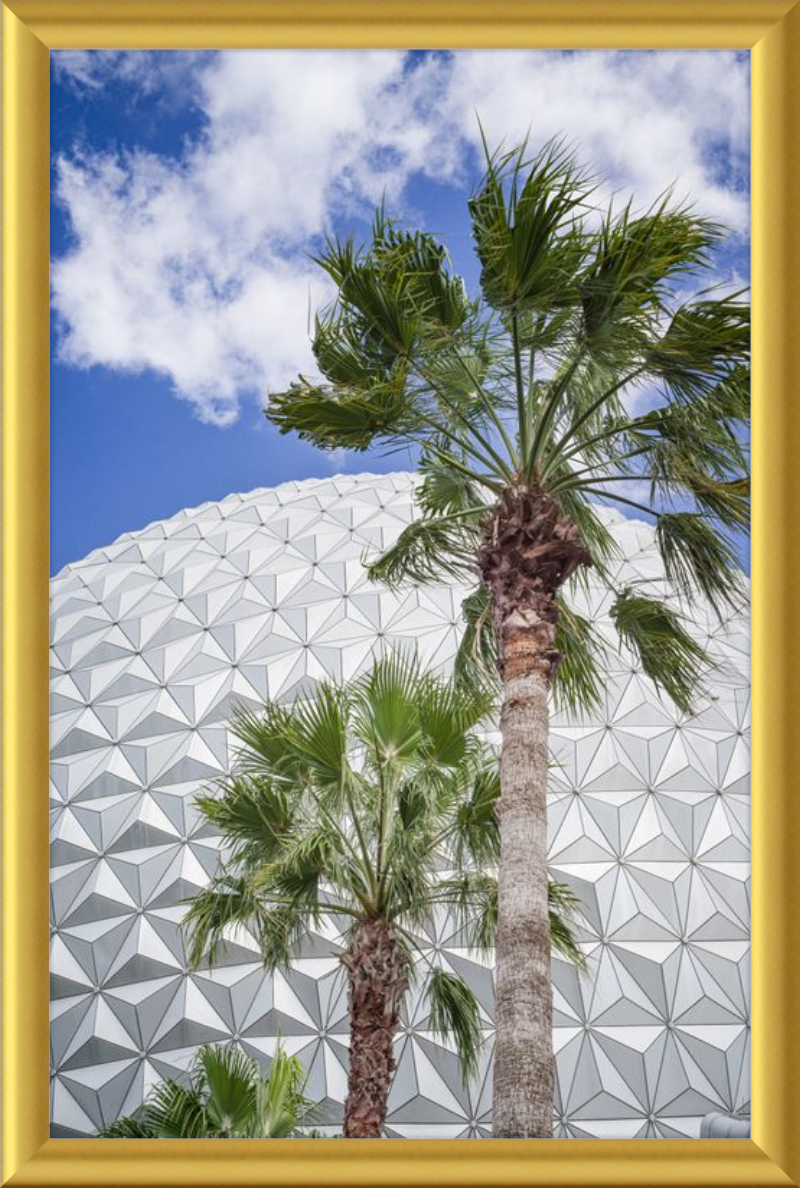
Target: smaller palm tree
373	803
225	1097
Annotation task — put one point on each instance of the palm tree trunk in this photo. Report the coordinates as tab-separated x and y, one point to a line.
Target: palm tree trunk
529	549
376	970
523	1056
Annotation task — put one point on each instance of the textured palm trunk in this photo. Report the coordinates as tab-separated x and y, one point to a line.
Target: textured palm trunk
529	550
376	969
523	1057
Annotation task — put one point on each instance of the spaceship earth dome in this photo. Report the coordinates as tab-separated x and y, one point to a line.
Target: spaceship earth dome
158	636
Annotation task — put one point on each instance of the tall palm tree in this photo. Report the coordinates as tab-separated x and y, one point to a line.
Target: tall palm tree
349	804
583	373
226	1097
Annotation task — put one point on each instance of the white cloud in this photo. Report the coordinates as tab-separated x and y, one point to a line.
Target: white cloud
197	267
647	120
147	71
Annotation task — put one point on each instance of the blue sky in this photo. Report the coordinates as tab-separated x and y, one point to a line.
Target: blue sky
188	190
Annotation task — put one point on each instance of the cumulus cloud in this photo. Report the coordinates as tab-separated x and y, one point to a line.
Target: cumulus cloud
197	266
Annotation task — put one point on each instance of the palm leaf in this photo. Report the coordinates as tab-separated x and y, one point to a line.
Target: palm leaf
281	1107
476	659
128	1128
455	1013
177	1111
527	239
698	559
728	502
225	1097
386	717
579	681
253	815
428	549
594	530
444	490
448	714
564	906
476	830
353	420
668	655
704	341
636	259
229	1077
318	735
227	902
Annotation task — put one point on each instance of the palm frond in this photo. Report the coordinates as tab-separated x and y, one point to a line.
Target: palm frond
229	1076
594	530
704	341
318	734
252	814
578	681
177	1111
728	502
636	259
232	901
669	656
476	659
223	1096
330	419
428	549
386	717
312	855
476	829
698	559
266	753
528	240
281	1107
729	400
564	906
448	714
130	1127
444	490
227	902
471	898
455	1013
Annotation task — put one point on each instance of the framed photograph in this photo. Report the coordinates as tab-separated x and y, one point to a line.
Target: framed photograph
390	735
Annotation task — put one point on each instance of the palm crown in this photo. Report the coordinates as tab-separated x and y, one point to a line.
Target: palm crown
373	803
519	403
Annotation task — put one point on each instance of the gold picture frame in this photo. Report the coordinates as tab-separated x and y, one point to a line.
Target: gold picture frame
771	29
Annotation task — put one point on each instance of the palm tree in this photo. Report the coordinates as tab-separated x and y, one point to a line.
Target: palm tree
350	804
582	374
226	1097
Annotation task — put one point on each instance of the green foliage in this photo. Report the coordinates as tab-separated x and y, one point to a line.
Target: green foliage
672	659
628	283
373	786
529	388
472	899
426	550
527	233
353	419
225	1096
565	907
701	341
476	658
578	681
697	558
454	1012
476	832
